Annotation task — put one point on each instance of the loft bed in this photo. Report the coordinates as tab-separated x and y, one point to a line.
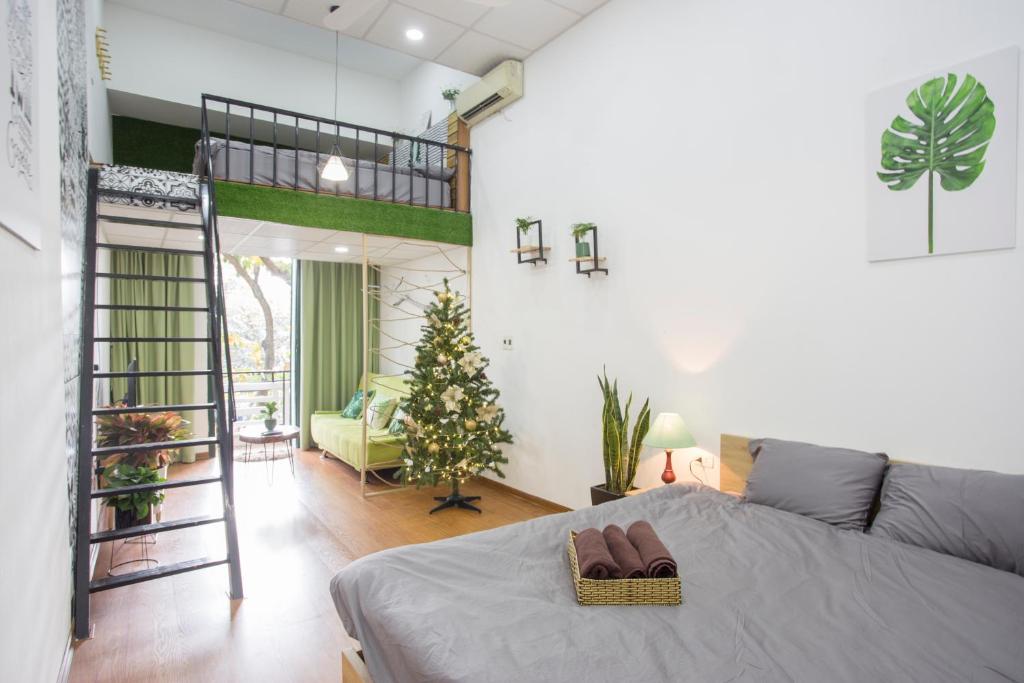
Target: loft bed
277	148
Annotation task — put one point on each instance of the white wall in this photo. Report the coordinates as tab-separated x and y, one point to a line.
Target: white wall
160	58
421	93
734	225
35	574
406	280
100	148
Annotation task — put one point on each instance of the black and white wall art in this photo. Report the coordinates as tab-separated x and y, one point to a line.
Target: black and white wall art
20	211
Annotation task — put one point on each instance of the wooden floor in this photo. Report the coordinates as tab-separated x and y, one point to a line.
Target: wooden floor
294	533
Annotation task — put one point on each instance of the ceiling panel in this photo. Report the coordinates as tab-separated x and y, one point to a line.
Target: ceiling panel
521	27
461	12
476	53
527	23
389	31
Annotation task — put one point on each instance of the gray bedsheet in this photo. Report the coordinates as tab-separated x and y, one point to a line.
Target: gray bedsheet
769	596
433	191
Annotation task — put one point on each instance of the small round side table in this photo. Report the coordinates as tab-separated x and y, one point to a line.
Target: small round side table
255	435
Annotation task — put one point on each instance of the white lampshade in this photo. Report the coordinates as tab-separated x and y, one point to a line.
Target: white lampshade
334	169
668	432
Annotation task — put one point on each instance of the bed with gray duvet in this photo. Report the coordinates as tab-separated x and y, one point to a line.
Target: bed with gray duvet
769	595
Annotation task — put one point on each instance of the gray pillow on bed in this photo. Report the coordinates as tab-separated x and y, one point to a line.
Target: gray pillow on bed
972	514
834	485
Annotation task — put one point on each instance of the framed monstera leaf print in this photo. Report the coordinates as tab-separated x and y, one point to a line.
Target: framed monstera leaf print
941	161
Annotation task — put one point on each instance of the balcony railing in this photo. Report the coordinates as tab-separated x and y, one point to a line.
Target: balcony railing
253	388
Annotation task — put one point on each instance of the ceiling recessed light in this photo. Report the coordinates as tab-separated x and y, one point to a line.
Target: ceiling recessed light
341	250
414	34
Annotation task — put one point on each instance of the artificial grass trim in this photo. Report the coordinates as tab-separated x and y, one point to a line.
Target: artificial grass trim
343	213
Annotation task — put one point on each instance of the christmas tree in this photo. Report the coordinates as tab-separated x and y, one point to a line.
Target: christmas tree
453	422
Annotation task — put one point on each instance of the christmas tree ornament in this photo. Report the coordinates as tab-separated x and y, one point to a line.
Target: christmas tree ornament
450	400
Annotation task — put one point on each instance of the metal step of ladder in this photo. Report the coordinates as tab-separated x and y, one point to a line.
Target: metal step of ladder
219	405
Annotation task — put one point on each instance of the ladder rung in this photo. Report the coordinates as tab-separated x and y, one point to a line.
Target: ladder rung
159	486
152	373
114	410
151	278
152	339
154	446
146	529
149	223
109	582
140	307
153	250
146	196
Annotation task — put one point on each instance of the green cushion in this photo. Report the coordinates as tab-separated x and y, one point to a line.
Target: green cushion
354	409
379	412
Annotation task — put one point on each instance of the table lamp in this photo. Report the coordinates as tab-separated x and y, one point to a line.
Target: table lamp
668	432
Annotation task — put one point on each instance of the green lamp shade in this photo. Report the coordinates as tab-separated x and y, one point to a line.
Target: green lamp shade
669	431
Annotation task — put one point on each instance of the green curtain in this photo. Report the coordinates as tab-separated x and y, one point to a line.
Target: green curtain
153	356
331	337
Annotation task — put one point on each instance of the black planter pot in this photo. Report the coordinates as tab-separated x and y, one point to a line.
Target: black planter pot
599	494
124	519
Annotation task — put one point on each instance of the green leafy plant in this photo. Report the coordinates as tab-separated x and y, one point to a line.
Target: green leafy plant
127	429
950	139
620	448
449	94
138	504
524	224
578	230
269	410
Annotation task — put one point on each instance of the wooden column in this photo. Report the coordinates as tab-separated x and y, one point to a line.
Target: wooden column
458	134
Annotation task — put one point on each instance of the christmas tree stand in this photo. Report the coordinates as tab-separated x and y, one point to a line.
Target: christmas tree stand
456	500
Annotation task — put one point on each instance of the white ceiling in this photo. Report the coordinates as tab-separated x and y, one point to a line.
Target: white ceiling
466	35
249	22
246	237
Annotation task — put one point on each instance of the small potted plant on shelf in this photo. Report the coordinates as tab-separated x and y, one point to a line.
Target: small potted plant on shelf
133	509
449	95
620	448
269	415
524	225
578	231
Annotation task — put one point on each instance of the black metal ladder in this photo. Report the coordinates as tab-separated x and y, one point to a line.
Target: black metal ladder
218	406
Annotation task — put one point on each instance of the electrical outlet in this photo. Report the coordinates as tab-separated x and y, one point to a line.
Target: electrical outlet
707	460
506	343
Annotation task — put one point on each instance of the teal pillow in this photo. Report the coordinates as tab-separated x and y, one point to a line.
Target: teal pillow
354	409
397	425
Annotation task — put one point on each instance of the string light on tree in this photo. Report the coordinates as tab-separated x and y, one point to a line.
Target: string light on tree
453	418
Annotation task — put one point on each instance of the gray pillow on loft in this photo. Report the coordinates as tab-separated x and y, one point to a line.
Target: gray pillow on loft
972	514
834	485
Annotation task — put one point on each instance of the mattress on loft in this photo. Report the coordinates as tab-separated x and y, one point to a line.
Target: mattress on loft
431	191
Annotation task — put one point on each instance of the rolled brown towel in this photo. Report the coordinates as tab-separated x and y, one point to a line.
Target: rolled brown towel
593	557
658	561
623	552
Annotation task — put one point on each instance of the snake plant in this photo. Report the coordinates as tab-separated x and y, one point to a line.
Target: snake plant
950	138
621	449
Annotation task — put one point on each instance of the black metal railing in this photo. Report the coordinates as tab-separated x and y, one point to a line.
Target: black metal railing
287	149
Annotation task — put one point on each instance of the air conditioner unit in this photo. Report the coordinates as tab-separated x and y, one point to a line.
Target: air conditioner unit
501	86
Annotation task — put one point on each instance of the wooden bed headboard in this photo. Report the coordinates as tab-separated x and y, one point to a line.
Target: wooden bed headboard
736	463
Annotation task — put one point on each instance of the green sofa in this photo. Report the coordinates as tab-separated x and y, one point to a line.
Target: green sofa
342	437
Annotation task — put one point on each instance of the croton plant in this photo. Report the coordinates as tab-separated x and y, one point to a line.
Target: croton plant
126	429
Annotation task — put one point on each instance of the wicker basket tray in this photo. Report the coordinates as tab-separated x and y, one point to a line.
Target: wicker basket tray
622	591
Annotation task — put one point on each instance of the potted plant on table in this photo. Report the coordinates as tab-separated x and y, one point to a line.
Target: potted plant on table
270	416
621	449
137	467
578	231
